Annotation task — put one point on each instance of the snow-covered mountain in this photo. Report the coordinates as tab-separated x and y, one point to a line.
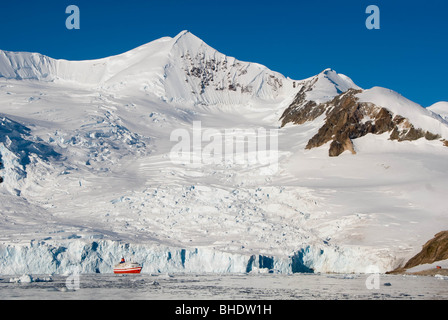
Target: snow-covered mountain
87	177
182	69
351	112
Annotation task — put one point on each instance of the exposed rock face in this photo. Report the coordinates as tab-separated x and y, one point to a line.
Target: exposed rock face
348	119
210	77
434	250
222	74
302	110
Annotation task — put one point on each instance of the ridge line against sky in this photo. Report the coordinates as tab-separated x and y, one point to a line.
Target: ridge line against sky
299	39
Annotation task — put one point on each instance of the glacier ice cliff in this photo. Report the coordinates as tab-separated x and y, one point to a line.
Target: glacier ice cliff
63	257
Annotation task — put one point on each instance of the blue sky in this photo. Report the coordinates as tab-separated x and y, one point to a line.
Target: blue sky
409	54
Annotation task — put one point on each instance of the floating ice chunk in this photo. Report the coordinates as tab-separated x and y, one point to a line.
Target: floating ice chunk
23	279
439	276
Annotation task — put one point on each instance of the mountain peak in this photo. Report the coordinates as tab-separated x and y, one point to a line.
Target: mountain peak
188	38
198	73
325	86
182	34
327	71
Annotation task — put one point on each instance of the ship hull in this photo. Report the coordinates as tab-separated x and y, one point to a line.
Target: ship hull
127	270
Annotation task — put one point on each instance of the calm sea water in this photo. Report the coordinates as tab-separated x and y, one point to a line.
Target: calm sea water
223	287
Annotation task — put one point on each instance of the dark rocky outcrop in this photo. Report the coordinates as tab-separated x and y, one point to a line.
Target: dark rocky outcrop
208	72
434	250
302	110
348	119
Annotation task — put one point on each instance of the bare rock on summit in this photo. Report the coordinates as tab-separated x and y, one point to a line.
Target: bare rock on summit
347	119
302	110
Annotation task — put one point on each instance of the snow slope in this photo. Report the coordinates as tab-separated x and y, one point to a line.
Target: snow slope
440	108
85	150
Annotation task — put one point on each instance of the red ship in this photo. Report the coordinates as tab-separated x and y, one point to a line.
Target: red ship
127	267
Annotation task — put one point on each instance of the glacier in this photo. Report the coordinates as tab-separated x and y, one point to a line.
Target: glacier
87	176
48	257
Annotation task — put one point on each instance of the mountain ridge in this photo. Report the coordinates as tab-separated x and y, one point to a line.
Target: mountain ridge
185	71
155	67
